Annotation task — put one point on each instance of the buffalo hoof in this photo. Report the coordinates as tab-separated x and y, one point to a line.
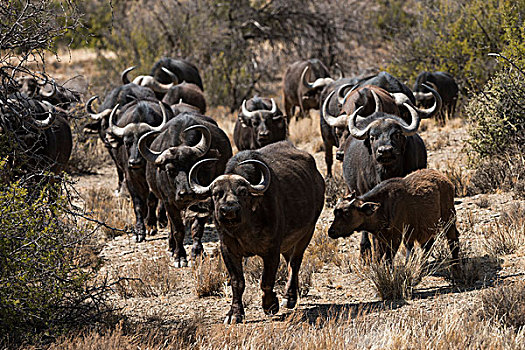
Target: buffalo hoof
181	262
272	308
152	231
232	319
140	238
196	251
289	303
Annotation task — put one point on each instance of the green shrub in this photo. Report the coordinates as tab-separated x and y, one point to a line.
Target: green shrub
456	36
45	267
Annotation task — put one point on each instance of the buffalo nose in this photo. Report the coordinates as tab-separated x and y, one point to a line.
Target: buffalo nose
229	211
134	162
339	155
264	134
385	150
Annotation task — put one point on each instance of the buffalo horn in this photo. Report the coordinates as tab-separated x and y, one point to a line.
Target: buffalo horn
330	119
204	144
92	114
146	152
124	75
264	183
192	177
173	76
303	79
46	123
379	105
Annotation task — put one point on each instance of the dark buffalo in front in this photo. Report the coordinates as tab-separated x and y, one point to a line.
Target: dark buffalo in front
259	123
266	204
184	140
445	85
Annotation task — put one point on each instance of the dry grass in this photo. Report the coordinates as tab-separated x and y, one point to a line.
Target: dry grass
459	177
306	133
504	305
209	275
507	234
150	277
335	188
449	328
116	212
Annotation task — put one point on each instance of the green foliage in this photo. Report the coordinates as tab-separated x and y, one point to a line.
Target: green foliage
43	285
456	36
497	116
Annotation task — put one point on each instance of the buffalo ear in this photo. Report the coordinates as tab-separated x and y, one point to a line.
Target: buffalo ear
369	208
113	141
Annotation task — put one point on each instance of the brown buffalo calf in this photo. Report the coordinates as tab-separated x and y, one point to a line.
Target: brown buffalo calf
408	209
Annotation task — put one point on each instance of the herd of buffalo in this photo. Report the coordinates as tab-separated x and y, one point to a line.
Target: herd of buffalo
178	166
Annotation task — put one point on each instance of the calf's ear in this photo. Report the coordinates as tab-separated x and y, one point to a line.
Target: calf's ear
369	208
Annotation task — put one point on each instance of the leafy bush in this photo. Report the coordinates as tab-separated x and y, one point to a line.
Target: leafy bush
46	274
454	36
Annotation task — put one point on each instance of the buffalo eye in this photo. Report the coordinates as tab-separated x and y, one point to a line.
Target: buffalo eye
170	169
242	191
218	193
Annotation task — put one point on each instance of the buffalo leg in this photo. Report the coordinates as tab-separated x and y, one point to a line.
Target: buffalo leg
453	243
294	260
234	266
151	219
162	217
140	209
176	236
365	248
270	303
328	158
197	231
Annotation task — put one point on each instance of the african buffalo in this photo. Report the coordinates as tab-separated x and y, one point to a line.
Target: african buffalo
445	85
123	135
302	85
183	141
266	204
121	96
260	122
186	93
383	146
336	108
408	210
167	72
42	132
48	90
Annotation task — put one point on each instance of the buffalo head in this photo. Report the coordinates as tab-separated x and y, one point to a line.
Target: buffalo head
175	162
233	195
350	214
267	125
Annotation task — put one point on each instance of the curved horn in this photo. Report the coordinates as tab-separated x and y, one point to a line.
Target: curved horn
357	133
303	79
379	105
430	112
274	106
115	130
164	118
204	144
124	75
246	112
45	79
263	185
409	130
92	114
192	177
173	76
46	123
330	119
340	97
53	91
146	152
355	87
